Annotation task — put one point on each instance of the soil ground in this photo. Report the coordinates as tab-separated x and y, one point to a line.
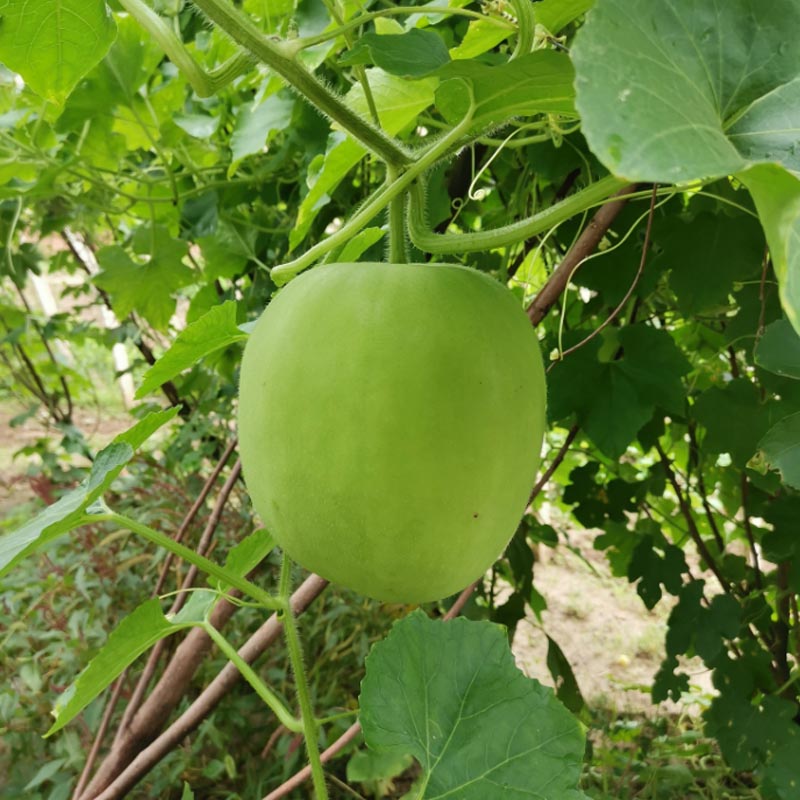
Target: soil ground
613	643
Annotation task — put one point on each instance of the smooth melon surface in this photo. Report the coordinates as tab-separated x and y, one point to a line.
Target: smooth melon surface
390	424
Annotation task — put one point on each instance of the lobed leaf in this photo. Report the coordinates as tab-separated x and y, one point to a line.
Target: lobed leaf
52	44
451	695
538	83
676	90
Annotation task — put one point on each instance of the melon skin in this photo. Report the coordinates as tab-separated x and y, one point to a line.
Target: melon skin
390	423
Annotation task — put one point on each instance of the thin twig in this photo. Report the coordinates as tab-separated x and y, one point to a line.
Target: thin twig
108	712
299	778
273	738
701	484
554	464
762	294
133	760
583	247
690	522
782	637
749	531
195	509
622	303
155	654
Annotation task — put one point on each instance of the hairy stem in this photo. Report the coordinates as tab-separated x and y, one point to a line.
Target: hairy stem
204	84
429	241
382	198
309	722
398	252
209	567
280	57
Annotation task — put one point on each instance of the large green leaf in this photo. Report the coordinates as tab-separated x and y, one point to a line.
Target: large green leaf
64	514
538	83
557	14
647	374
54	43
451	695
675	90
777	196
256	124
734	419
707	255
413	54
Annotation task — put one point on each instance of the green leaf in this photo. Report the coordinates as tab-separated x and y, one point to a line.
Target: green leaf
257	124
749	733
451	695
147	284
246	555
62	515
481	36
778	350
136	634
413	54
557	14
367	765
201	126
45	773
646	376
707	255
361	242
567	689
734	419
399	102
213	331
779	777
652	569
538	83
54	43
777	196
675	90
692	625
781	449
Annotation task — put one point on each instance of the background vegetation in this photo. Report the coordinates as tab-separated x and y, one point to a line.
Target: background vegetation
164	182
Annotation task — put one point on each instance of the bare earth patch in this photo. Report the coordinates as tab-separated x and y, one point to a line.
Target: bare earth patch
613	643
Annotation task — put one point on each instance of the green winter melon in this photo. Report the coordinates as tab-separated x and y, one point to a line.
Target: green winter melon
390	423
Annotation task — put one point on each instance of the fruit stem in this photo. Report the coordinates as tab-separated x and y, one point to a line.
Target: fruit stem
425	239
398	248
248	673
209	567
380	199
310	726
